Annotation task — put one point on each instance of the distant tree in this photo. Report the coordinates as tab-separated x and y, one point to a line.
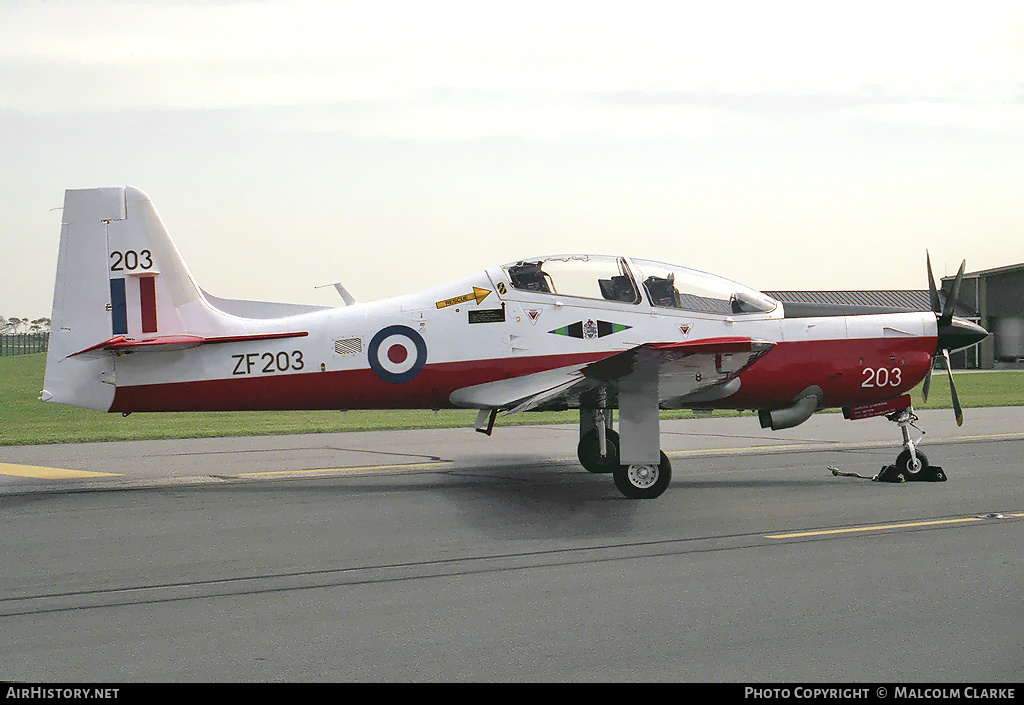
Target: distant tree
14	325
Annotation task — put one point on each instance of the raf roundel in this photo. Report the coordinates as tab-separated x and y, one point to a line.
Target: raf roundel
397	354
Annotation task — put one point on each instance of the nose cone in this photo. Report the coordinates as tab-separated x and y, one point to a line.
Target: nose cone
960	333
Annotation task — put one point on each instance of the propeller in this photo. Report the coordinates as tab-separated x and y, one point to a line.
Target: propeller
953	334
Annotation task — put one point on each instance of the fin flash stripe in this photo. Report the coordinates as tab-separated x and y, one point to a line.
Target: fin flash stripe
118	307
147	296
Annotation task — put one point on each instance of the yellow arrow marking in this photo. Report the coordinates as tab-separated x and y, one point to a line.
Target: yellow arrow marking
478	294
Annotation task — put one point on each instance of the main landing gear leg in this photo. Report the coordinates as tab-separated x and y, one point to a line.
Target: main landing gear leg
911	464
598	450
643	471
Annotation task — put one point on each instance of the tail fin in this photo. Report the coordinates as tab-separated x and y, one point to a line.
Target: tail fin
118	274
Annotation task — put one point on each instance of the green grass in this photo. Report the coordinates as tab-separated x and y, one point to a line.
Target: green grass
26	420
974	389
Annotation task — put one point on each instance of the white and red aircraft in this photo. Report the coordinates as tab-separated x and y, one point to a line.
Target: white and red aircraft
132	331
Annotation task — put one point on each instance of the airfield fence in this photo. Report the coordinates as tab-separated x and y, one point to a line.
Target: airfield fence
23	343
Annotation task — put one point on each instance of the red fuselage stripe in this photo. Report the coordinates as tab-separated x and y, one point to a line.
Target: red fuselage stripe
346	389
850	373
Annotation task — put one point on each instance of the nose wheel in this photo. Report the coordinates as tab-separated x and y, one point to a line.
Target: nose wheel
911	464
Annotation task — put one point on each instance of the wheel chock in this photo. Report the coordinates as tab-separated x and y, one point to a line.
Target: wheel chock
891	473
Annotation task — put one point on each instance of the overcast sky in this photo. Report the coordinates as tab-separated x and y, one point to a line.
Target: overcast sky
395	145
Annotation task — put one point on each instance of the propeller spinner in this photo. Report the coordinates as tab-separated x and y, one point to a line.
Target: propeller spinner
954	333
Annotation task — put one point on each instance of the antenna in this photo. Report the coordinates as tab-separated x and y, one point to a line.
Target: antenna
345	296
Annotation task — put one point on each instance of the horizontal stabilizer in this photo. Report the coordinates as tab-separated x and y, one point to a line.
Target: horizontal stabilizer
121	343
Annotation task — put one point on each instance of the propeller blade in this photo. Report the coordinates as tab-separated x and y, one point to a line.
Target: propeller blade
933	294
927	382
957	411
947	312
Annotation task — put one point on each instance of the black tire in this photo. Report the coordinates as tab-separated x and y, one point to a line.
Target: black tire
589	452
904	465
634	486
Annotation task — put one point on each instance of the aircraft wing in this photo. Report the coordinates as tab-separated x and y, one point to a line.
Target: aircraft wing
688	372
513	392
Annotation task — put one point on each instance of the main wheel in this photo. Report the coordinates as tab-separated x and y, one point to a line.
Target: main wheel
643	481
905	466
589	451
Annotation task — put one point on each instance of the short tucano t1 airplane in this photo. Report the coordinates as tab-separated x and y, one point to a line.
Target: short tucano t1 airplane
132	331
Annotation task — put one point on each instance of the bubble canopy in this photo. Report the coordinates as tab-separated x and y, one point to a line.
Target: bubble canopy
672	286
635	282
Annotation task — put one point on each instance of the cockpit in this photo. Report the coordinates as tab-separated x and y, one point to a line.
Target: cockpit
633	281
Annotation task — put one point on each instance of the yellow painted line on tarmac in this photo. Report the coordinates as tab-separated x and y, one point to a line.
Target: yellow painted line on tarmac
725	451
988	437
877	527
829	443
42	473
355	470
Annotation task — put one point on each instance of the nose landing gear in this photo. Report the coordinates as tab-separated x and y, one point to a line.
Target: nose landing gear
911	464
